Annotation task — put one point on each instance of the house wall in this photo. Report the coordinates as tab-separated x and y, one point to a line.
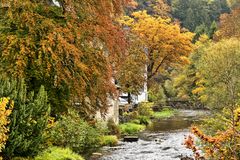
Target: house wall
112	113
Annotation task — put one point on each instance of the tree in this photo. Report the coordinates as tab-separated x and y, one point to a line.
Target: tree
131	74
28	119
153	7
194	13
233	3
229	25
187	80
70	48
164	42
220	69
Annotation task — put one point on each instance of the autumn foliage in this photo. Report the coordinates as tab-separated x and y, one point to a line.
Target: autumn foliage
70	48
224	145
165	44
229	25
6	107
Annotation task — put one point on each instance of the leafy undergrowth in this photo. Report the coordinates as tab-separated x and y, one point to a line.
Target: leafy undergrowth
165	113
131	128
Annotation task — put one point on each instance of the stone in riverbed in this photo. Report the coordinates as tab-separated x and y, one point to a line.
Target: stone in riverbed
130	139
95	156
166	148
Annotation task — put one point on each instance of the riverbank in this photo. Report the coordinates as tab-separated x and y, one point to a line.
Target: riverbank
161	141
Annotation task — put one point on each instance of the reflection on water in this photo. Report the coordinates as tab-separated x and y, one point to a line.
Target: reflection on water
161	141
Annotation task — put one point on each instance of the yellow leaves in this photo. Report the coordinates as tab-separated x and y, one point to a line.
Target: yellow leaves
184	59
198	90
237	116
126	20
165	41
5	110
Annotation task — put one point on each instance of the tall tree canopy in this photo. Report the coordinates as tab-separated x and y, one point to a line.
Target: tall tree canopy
154	7
68	48
193	13
229	25
164	42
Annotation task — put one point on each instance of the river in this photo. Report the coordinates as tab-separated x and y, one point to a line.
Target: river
163	140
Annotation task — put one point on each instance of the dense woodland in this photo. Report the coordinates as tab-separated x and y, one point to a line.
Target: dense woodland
59	60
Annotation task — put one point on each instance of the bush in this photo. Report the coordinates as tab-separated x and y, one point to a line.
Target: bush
130	116
72	132
145	109
217	138
131	128
109	140
28	119
144	120
56	153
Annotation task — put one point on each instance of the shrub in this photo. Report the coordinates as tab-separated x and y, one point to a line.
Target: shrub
131	128
130	116
145	109
56	153
72	132
28	119
220	144
109	140
144	120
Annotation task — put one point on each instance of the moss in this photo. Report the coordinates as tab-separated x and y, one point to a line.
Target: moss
109	140
57	153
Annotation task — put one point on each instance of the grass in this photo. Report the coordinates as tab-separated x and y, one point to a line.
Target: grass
165	113
109	140
131	128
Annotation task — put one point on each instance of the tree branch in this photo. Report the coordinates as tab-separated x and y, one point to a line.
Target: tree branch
156	70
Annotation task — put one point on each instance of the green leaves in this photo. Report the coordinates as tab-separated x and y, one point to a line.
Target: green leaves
220	68
28	119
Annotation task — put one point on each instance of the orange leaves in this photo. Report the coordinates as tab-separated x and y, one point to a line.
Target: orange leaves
229	25
190	144
220	146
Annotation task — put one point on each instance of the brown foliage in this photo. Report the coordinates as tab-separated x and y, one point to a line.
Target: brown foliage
229	25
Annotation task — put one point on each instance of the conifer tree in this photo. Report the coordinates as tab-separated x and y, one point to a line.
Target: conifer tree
28	119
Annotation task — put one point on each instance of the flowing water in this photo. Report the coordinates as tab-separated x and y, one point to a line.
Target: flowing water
163	140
